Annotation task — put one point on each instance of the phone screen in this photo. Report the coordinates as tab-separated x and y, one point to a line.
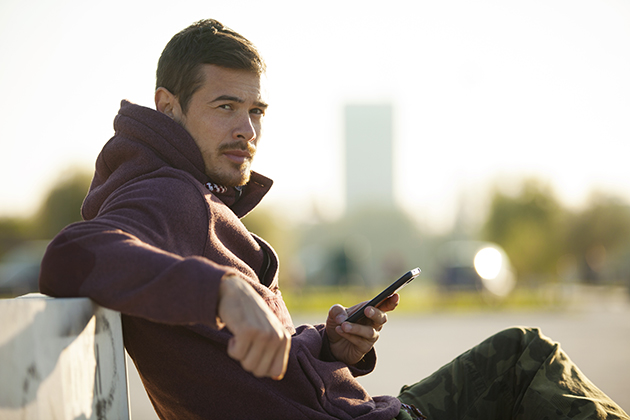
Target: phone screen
393	288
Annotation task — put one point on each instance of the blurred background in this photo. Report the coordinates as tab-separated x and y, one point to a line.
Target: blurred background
399	135
483	141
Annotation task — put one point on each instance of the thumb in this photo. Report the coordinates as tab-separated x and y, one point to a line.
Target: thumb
337	314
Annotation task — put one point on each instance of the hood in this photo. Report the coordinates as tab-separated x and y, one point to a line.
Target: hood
145	141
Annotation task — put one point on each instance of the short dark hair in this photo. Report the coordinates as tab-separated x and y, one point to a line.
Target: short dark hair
204	42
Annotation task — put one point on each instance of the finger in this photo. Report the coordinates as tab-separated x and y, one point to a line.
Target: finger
238	347
281	361
259	357
351	333
362	332
378	317
274	361
390	303
266	348
336	315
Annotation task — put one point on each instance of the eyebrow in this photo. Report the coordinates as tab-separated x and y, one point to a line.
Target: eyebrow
260	104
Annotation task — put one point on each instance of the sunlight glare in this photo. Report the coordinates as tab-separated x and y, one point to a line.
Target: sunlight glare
488	263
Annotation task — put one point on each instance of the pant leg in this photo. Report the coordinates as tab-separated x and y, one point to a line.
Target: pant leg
515	374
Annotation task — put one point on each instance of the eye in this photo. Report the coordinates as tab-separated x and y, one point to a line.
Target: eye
258	111
226	106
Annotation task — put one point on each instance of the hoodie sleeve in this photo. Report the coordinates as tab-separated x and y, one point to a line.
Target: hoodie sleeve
131	258
365	365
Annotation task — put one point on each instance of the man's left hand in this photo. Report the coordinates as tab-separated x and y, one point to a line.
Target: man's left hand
350	342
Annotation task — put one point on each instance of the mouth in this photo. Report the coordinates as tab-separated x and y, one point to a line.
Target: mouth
238	156
239	153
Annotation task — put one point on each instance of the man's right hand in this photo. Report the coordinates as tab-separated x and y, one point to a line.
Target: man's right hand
260	343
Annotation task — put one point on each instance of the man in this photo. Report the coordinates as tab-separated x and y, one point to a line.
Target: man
203	317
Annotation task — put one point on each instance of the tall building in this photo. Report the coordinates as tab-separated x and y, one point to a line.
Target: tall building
369	156
375	242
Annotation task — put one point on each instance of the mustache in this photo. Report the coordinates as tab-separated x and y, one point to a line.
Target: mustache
239	145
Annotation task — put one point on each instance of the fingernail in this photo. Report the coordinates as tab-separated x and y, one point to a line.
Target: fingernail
346	326
370	312
340	318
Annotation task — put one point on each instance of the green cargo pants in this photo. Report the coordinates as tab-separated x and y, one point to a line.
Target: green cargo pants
516	374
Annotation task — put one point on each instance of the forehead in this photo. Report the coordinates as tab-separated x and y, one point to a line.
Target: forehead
244	84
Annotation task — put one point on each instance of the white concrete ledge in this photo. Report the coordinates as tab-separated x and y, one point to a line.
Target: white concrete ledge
61	359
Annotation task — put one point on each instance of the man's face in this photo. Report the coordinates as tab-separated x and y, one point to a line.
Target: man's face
224	117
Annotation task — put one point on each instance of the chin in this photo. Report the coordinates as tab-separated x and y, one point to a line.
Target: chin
231	180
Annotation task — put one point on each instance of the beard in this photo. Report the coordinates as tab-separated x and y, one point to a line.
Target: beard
233	178
232	174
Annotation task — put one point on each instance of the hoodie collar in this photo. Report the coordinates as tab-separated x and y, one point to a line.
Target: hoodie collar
147	140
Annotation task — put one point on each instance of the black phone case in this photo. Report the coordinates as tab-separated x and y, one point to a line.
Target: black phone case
393	288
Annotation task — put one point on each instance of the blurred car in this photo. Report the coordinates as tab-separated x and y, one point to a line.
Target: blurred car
476	265
19	269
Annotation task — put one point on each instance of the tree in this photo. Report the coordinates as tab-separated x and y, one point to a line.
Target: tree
529	227
13	231
62	205
597	233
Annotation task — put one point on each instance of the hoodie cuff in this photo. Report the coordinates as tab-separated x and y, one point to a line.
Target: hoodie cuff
365	365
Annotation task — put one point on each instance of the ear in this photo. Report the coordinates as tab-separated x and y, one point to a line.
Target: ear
167	103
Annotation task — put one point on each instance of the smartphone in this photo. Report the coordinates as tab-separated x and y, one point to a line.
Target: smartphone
393	288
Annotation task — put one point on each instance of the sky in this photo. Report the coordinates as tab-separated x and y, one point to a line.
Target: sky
485	93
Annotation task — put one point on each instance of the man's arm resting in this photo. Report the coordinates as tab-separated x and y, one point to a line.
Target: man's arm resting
120	272
260	343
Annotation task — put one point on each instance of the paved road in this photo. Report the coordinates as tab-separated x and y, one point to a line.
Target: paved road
598	342
596	336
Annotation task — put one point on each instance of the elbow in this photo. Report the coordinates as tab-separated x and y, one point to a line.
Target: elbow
64	268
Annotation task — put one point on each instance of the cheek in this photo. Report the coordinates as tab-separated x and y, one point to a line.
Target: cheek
207	136
259	131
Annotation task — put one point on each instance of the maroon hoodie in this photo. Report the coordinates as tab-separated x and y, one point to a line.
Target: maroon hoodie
154	245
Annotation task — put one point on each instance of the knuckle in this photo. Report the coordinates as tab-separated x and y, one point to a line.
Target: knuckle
248	365
259	373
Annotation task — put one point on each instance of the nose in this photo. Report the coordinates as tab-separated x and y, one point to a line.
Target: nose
246	129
